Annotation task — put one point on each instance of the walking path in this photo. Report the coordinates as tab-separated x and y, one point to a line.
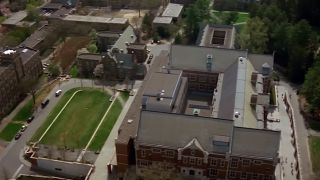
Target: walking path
285	170
302	135
108	150
54	120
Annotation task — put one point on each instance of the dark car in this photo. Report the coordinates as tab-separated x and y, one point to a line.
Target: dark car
29	120
17	136
45	103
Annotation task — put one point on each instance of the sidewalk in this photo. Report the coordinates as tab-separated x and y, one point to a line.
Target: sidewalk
108	150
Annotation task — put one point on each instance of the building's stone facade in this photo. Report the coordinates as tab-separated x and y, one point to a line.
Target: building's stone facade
17	68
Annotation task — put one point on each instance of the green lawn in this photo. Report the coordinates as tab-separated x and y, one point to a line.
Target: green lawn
78	121
2	18
74	71
106	127
25	112
242	16
314	145
10	131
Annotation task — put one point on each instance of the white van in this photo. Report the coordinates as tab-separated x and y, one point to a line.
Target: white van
58	92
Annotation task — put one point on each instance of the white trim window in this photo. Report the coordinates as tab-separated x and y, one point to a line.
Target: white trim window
246	162
143	153
192	160
213	162
254	176
199	161
232	174
244	175
257	162
185	160
234	163
213	172
170	153
222	163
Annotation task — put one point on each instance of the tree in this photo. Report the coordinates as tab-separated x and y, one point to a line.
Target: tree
204	8
163	32
254	37
192	22
311	86
301	48
54	70
32	13
230	18
310	10
92	48
178	39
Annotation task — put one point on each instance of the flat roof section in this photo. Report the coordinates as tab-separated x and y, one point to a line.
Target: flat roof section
217	36
162	20
95	19
172	10
15	18
167	82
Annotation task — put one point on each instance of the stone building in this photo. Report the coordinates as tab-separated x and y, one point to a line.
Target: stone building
18	66
188	91
139	52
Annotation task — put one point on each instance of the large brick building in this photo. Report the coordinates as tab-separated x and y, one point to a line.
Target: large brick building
202	114
18	66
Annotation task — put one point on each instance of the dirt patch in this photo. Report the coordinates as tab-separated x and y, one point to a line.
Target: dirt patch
66	53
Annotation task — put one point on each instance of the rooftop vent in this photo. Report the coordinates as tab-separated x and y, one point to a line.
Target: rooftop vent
196	112
24	50
9	51
236	114
209	62
127	43
121	50
132	36
130	121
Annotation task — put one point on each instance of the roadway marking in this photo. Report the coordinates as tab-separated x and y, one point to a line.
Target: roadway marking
58	115
96	130
17	172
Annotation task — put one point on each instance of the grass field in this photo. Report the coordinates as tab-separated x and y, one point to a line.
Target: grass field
242	16
314	145
10	131
108	123
77	122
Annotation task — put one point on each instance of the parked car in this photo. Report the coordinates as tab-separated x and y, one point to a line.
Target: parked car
17	136
29	120
45	103
58	92
23	128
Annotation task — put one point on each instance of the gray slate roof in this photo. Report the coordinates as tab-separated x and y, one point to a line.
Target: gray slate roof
128	35
177	130
195	58
255	142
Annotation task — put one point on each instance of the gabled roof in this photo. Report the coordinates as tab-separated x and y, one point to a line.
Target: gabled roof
127	36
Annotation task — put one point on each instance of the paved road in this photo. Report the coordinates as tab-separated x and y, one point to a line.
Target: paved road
302	134
10	159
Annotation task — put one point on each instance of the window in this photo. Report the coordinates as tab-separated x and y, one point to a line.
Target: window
213	172
192	152
254	176
213	162
232	174
246	162
234	163
199	161
170	153
192	77
156	150
265	177
143	153
192	160
185	160
58	169
202	78
244	175
144	163
222	163
191	172
257	162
